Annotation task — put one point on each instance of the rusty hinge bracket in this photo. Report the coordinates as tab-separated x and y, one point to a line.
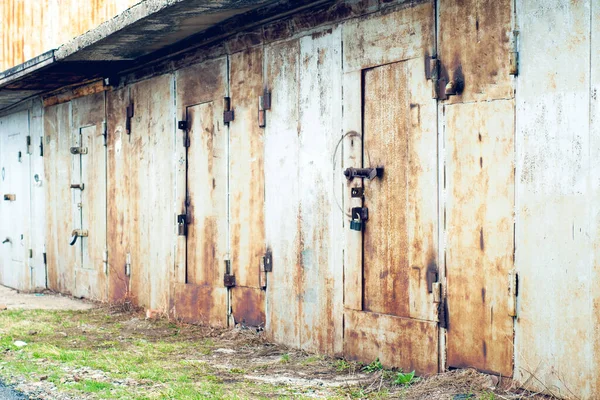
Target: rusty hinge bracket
432	72
105	261
79	150
28	144
513	292
229	280
514	55
264	104
184	126
268	261
129	117
105	132
228	114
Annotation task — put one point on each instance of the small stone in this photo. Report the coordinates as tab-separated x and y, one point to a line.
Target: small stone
76	378
43	377
20	343
33	333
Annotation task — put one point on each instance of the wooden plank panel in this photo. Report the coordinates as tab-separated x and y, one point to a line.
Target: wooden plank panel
556	342
370	335
282	196
57	164
399	35
475	45
121	201
480	228
320	220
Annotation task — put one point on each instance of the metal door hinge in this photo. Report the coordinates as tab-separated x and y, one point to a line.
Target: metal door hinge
105	132
513	292
41	147
514	55
79	150
228	114
30	253
264	104
28	145
268	261
184	126
129	111
432	72
229	280
105	261
128	265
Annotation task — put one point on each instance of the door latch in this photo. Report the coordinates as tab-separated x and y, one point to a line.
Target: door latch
182	223
77	233
10	197
79	150
79	186
368	173
359	215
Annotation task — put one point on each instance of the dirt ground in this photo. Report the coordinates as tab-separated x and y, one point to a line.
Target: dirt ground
14	300
100	352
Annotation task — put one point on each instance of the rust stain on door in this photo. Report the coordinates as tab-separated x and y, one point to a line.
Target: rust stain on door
480	231
247	187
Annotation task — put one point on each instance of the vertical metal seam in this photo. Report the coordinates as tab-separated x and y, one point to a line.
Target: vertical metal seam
228	201
515	170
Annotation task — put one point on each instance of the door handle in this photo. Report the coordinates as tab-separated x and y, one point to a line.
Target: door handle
77	186
77	233
7	240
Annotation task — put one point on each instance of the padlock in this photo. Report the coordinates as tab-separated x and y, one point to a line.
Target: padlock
356	225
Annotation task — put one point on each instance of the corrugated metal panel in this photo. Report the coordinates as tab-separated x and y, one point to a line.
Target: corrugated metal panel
247	187
31	27
557	226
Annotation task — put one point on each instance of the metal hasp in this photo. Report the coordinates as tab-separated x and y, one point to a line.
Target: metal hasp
367	173
229	280
357	192
10	197
182	222
268	261
77	233
79	186
79	150
228	114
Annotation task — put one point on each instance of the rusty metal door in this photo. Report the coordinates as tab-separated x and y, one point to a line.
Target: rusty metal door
391	291
198	292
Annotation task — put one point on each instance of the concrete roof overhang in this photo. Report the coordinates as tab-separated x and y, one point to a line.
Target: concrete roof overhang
146	31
